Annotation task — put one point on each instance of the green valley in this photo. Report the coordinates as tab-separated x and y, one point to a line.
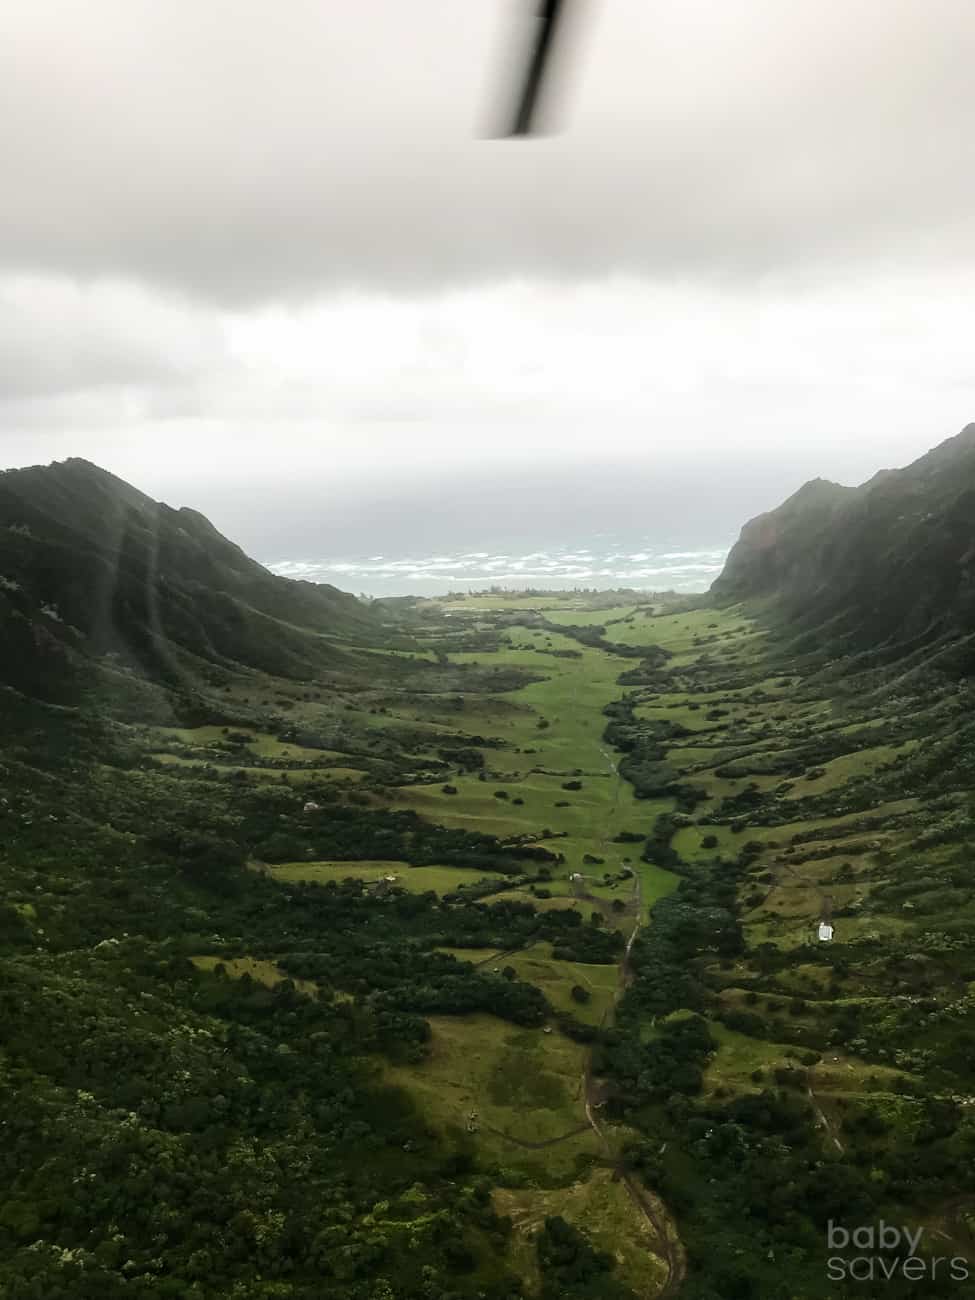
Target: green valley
466	947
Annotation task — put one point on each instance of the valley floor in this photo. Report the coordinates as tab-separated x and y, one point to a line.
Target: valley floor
548	886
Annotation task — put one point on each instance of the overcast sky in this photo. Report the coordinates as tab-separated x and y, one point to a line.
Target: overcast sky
265	259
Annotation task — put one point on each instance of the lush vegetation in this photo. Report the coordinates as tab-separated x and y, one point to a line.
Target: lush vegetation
466	948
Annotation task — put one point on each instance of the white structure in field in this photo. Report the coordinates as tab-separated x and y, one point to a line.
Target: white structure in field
825	931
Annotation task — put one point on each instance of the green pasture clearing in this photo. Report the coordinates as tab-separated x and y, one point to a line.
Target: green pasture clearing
474	955
676	632
594	618
589	815
738	1056
478	801
540	904
557	978
419	655
694	722
601	605
655	882
417	880
839	1073
838	771
788	922
260	743
793	906
296	774
198	737
498	600
261	971
569	699
601	1208
719	787
687	839
525	1085
795	927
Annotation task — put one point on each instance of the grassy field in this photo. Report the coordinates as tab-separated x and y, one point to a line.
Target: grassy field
524	1084
838	771
264	972
442	880
473	955
738	1057
538	760
601	1208
556	979
297	775
197	747
261	744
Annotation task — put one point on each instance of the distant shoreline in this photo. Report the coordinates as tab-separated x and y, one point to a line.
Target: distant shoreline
646	569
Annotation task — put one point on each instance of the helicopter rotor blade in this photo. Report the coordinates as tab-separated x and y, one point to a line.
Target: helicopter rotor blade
551	13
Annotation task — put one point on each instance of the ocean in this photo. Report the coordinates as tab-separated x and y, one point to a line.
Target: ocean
559	568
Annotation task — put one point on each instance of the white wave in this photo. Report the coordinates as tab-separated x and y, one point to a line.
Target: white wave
612	565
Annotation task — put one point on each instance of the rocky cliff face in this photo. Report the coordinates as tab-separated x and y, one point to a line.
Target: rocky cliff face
891	559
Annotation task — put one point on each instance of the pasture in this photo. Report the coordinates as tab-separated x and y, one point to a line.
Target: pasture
417	880
524	1085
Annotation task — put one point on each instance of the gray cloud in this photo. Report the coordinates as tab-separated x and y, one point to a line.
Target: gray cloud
354	391
241	152
60	337
265	262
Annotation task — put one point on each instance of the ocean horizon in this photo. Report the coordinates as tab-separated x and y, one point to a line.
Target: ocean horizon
556	568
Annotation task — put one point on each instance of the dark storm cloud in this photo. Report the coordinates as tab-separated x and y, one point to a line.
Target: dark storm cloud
243	151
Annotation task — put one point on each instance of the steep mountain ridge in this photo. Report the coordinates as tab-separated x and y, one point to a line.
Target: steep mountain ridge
891	559
95	573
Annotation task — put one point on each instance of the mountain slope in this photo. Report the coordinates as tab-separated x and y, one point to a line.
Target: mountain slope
93	572
891	559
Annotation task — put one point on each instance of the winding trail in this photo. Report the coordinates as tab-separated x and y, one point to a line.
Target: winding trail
535	1146
823	1121
508	952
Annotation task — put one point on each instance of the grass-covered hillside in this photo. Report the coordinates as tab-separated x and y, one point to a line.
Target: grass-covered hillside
479	957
